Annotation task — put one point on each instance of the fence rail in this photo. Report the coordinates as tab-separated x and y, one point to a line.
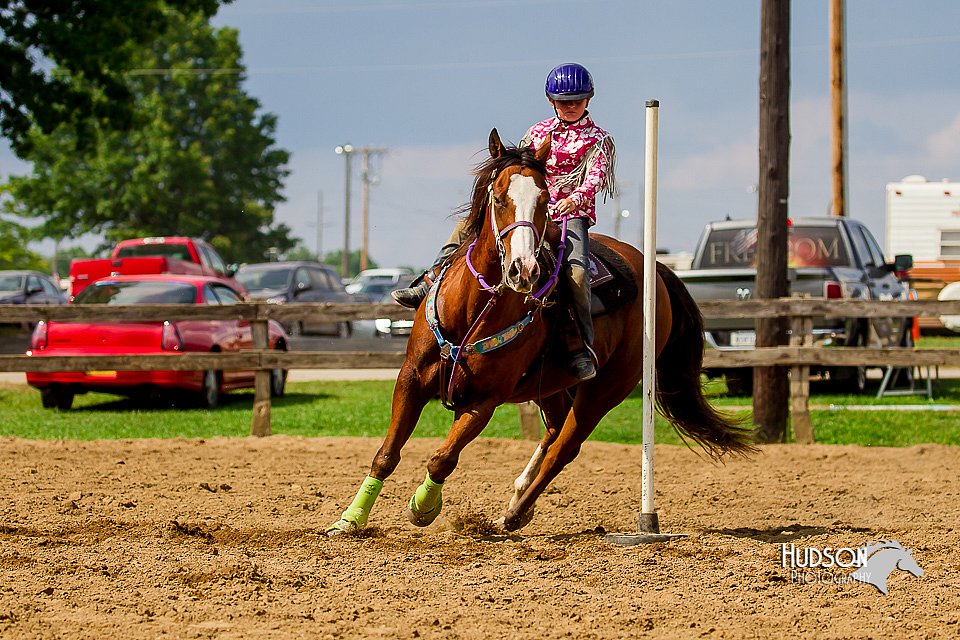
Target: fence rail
262	360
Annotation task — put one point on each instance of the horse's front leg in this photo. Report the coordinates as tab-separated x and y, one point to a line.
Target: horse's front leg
409	399
426	502
555	409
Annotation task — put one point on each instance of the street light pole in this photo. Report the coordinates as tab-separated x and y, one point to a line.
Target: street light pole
319	225
346	150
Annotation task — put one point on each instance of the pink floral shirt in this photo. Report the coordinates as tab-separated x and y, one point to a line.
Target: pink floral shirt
581	159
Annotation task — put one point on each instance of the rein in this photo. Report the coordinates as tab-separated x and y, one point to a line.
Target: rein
454	353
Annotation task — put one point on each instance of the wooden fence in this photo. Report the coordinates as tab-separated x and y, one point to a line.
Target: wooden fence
798	355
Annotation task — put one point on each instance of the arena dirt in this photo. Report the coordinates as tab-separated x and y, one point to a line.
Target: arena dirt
223	539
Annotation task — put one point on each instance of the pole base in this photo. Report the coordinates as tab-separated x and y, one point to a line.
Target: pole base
649	531
633	539
648	523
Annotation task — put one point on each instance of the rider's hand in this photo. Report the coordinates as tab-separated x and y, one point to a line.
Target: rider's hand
565	207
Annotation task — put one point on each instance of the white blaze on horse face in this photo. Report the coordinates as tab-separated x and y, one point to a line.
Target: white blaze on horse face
524	192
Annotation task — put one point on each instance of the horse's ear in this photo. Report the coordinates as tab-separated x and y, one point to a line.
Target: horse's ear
496	147
543	152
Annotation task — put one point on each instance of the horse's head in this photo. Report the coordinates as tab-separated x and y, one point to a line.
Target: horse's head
516	201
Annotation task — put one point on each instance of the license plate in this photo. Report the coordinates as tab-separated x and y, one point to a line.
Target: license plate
743	338
101	374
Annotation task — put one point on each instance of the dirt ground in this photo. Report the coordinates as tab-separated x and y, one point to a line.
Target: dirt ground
223	539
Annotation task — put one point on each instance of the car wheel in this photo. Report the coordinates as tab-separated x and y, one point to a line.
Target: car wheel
210	392
56	397
278	382
344	330
850	379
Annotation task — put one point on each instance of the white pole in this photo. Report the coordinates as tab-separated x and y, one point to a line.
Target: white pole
648	516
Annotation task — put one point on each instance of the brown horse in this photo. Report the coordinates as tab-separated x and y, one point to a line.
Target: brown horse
481	346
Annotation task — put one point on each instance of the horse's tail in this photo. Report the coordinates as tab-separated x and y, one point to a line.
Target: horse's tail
679	393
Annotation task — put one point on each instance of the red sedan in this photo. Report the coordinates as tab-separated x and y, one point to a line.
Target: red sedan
57	389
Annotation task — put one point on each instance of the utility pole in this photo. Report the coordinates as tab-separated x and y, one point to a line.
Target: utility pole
346	151
365	180
838	96
319	225
770	384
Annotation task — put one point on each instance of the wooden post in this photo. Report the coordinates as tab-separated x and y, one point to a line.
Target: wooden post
529	421
261	397
802	336
770	384
838	99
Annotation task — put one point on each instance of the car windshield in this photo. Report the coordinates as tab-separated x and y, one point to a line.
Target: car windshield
146	292
177	251
260	279
806	247
11	283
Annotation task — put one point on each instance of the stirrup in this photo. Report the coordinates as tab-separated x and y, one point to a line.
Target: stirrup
581	365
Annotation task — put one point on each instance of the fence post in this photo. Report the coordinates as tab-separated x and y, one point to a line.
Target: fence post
261	396
529	420
801	336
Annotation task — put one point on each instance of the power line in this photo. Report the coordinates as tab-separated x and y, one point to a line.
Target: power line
467	65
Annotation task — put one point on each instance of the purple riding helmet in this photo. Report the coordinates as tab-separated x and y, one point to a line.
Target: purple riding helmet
569	81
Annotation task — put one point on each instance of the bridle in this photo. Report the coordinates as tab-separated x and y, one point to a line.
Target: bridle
539	238
454	353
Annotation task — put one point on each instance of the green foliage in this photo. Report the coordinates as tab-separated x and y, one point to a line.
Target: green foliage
362	408
200	160
89	39
13	251
300	252
335	260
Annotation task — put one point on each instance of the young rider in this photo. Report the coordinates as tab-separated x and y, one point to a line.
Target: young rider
580	165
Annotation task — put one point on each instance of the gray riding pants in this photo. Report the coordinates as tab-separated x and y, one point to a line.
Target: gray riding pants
577	270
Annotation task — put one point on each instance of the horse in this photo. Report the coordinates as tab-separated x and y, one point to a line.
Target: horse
511	232
883	558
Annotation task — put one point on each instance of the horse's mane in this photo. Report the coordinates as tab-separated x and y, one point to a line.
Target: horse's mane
485	172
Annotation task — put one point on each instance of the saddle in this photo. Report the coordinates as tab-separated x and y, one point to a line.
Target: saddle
612	283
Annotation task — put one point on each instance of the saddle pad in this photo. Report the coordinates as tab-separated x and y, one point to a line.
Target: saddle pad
612	282
599	273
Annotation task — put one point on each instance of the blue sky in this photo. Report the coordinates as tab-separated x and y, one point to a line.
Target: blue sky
428	80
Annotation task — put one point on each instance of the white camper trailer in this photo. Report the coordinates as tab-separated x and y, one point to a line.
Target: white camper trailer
923	219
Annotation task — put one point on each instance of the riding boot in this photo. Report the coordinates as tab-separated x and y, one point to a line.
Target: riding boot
582	361
582	364
413	295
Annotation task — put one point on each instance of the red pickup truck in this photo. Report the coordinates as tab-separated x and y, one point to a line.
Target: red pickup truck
152	255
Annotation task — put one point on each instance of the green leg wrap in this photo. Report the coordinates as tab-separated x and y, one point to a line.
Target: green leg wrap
427	495
426	502
359	511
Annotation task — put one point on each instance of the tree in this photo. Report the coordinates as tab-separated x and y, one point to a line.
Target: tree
335	260
13	251
199	162
89	39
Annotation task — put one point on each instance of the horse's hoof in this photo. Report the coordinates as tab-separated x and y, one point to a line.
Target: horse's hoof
524	519
422	518
514	524
341	527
